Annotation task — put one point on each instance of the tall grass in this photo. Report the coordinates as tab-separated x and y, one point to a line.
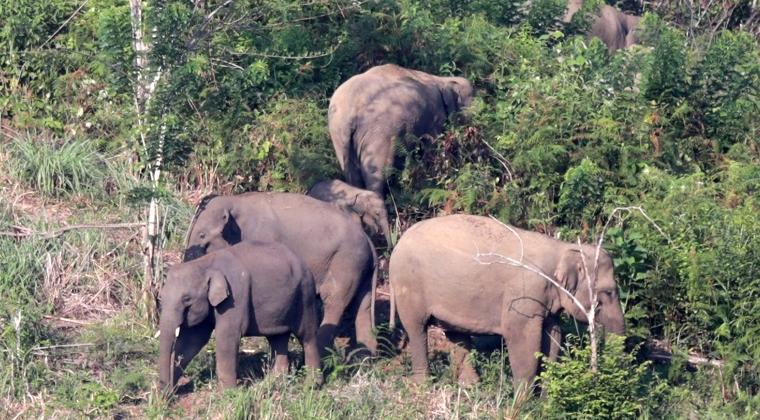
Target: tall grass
56	167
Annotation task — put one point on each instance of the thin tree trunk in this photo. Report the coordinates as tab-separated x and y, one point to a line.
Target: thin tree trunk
143	92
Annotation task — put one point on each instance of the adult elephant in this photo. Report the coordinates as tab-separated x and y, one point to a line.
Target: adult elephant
371	110
616	29
331	243
453	269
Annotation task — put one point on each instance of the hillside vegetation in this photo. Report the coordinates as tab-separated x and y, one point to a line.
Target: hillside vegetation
561	134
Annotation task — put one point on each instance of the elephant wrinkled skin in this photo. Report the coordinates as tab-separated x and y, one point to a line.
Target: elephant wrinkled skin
371	110
249	289
447	269
338	253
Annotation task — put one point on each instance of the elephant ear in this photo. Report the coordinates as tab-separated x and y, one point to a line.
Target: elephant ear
569	269
218	290
450	97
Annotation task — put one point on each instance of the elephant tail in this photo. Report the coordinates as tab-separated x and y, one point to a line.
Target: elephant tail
375	269
392	320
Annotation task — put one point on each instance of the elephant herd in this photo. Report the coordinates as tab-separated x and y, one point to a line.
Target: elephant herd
264	263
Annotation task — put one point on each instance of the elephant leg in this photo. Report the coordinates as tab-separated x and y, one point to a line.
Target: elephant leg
523	337
465	371
551	339
189	343
410	311
279	346
374	162
343	143
365	335
333	311
227	347
311	357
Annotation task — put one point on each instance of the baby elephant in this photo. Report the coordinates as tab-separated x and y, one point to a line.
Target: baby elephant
249	289
477	276
368	206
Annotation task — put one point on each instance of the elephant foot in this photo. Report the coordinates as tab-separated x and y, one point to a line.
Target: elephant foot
419	378
468	377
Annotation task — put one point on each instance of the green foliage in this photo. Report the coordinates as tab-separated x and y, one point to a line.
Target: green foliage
621	389
581	194
561	133
82	394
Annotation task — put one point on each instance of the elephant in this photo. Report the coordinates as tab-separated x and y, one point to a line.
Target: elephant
368	207
386	103
339	254
450	269
616	29
248	289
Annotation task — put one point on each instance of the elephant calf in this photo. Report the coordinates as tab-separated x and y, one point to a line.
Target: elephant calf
367	206
452	269
249	289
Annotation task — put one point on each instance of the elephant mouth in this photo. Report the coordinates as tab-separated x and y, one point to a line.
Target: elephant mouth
193	252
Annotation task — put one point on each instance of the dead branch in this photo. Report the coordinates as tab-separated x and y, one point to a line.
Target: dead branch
500	158
24	232
660	355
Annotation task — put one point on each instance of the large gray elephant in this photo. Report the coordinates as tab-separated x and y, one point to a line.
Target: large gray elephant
248	289
334	247
367	206
616	29
371	110
449	269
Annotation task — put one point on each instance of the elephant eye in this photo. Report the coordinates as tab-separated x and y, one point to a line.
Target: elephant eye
202	235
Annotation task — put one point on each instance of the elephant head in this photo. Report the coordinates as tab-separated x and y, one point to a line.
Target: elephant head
371	209
213	227
457	93
189	292
571	274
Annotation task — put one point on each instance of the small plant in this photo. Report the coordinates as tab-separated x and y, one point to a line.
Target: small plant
620	389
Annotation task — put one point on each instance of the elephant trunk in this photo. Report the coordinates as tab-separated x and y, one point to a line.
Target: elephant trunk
386	227
168	370
613	320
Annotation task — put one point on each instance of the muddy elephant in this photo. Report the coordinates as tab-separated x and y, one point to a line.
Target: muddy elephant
371	110
451	269
367	207
248	289
334	247
616	29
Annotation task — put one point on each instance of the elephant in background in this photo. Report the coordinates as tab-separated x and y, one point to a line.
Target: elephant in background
372	109
616	29
338	253
248	289
367	206
448	269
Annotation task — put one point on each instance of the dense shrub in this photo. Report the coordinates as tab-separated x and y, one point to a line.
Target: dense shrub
621	389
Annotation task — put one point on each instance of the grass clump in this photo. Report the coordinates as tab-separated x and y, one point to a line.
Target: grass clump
56	167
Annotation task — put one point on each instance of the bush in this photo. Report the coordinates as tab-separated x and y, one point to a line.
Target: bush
621	389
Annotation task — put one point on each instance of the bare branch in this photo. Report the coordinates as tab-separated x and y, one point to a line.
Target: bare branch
511	229
503	259
63	25
501	159
23	232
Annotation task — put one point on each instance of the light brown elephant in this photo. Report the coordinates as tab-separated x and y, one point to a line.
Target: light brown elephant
366	206
452	270
372	109
616	29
